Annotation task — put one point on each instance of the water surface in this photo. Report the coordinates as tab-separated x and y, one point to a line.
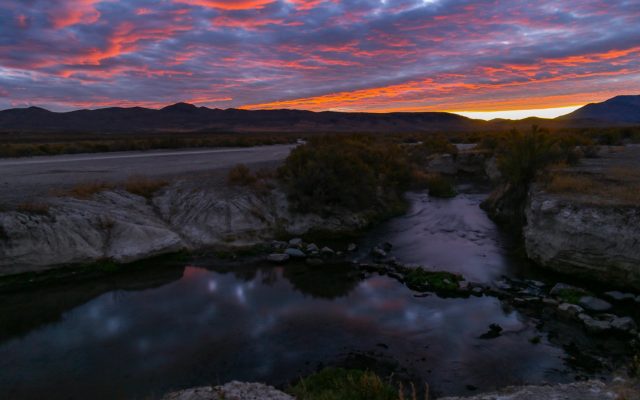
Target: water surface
172	328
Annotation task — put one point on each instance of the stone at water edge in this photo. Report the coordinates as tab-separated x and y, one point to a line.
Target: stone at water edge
278	258
312	248
279	245
352	247
594	303
378	252
594	325
619	296
624	324
327	252
570	310
296	242
295	253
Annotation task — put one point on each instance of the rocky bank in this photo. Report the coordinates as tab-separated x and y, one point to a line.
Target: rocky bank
591	390
119	226
587	223
587	240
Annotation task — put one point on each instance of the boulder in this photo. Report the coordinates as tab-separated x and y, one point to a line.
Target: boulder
296	242
594	325
327	252
295	253
594	304
570	310
619	296
624	324
378	252
312	248
591	240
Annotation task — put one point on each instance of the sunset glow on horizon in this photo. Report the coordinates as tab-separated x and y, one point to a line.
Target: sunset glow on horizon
483	59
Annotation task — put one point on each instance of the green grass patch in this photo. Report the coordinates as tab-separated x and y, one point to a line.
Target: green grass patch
422	280
572	296
343	384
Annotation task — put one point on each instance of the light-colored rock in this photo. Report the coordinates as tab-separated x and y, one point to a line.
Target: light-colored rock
591	390
594	325
327	252
295	253
594	304
378	252
230	391
295	242
352	247
624	324
123	227
582	239
619	296
312	248
570	310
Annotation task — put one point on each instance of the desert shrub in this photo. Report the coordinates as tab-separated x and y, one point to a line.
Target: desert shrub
343	384
523	155
143	186
438	144
241	175
354	173
438	185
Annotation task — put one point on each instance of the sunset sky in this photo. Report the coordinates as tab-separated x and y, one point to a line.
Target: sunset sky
343	55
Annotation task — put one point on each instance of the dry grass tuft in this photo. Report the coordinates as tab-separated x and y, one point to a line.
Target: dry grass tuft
143	186
241	175
85	190
33	208
617	187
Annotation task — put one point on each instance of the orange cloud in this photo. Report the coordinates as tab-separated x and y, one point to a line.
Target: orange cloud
80	12
228	4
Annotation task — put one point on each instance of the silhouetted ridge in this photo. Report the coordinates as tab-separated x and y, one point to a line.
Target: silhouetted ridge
620	109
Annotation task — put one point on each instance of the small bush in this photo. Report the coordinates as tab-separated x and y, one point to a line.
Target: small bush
438	144
143	186
439	186
524	155
343	384
355	173
241	175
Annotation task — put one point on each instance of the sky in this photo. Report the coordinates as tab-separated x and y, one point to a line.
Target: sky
480	58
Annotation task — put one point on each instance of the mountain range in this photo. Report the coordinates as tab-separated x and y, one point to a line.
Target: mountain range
183	117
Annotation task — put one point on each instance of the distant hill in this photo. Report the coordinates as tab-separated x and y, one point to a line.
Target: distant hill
183	117
618	110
